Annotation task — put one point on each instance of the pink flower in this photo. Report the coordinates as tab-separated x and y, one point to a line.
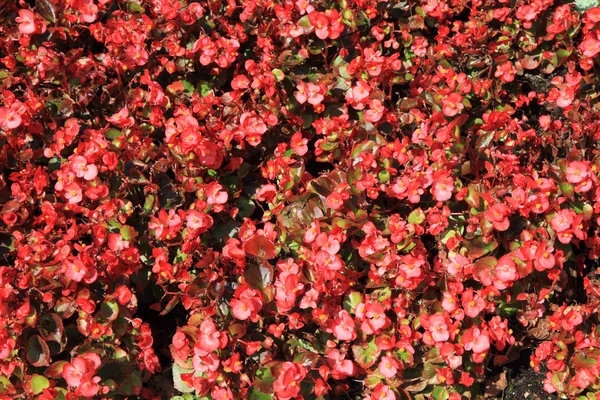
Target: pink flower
215	194
335	200
443	186
315	93
449	302
10	117
311	233
116	242
590	46
88	10
472	303
361	91
383	392
328	261
583	378
506	72
246	306
266	192
26	20
562	221
73	193
82	169
374	319
121	118
208	340
544	257
375	111
302	94
81	371
75	270
206	363
137	55
343	326
299	144
241	309
287	384
506	269
452	105
240	82
498	214
548	386
476	340
198	221
222	394
577	171
388	367
90	388
340	367
438	328
320	22
6	348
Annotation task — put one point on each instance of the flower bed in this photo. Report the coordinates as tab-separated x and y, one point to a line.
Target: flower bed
285	199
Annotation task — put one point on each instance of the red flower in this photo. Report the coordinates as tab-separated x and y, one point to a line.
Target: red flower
340	367
388	367
287	384
26	20
438	328
10	117
498	214
343	326
80	374
452	105
299	144
473	303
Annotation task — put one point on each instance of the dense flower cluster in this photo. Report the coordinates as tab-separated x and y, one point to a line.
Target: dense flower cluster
285	199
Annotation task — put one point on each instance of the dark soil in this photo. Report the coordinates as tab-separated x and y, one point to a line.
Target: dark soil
526	384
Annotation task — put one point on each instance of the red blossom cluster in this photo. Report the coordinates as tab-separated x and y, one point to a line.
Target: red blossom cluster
293	199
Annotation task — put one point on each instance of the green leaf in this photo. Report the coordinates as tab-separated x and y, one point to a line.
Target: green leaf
149	203
484	140
256	394
477	248
135	8
580	361
584	5
39	383
279	75
352	300
322	185
367	355
259	275
355	173
567	190
51	327
246	207
507	310
416	217
6	386
109	310
472	198
47	9
187	87
113	133
440	393
38	353
178	382
264	380
205	89
128	232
